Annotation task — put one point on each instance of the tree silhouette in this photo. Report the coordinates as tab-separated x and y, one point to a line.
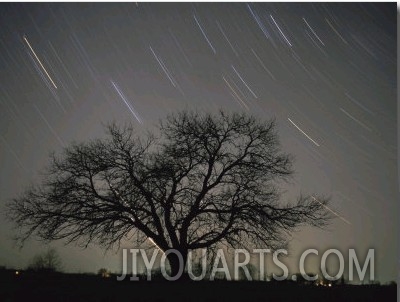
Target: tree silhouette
201	181
48	262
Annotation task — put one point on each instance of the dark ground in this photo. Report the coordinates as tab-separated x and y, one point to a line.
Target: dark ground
73	287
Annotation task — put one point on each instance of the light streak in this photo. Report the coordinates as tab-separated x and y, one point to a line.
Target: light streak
49	126
358	103
259	23
180	47
204	34
290	44
164	68
124	99
316	44
304	133
167	72
356	120
315	34
247	86
14	154
336	32
234	92
152	241
262	63
37	58
332	211
63	65
46	82
226	38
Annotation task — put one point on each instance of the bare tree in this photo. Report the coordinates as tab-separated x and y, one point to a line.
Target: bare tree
204	180
48	261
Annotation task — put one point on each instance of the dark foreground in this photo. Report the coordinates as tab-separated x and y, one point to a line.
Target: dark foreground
74	287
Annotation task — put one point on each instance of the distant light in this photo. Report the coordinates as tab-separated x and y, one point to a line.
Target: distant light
329	284
16	273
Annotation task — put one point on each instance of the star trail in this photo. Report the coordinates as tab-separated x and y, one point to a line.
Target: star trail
326	72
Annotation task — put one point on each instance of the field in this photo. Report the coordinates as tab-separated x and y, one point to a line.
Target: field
79	287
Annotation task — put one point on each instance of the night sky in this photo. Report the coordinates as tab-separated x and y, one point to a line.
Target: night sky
327	72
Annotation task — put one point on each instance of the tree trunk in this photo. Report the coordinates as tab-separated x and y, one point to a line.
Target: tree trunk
178	265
